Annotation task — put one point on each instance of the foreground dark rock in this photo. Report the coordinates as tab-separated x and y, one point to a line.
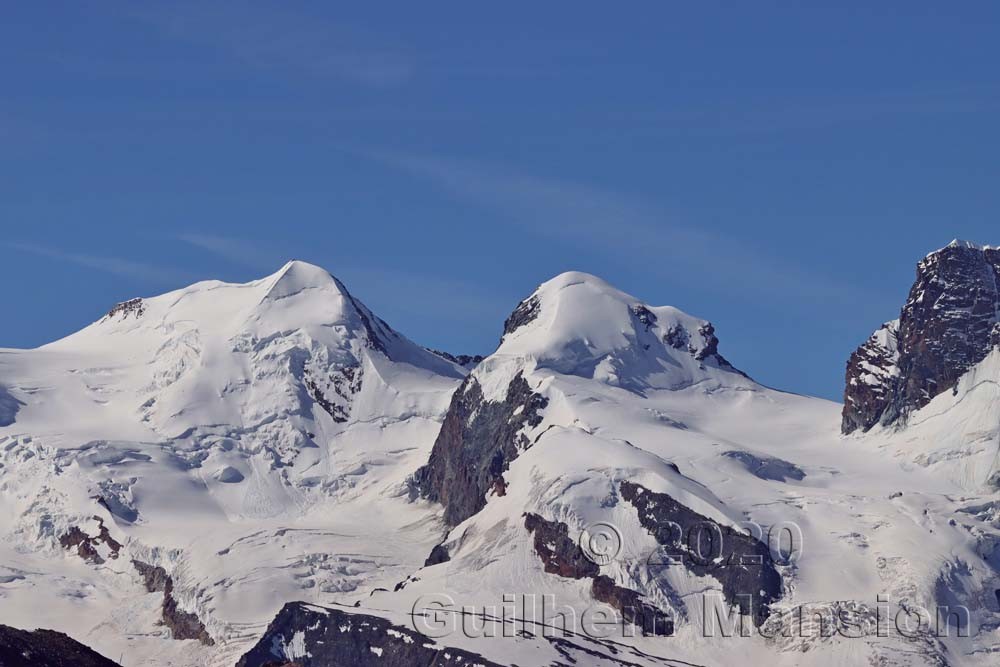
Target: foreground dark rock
476	444
740	563
949	323
564	557
303	635
46	648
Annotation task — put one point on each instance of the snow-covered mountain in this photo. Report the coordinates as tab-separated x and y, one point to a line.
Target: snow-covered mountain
600	410
252	441
268	474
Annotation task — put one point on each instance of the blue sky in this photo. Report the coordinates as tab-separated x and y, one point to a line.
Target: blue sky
777	168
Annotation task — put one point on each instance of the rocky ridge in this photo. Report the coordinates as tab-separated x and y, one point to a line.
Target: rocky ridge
949	323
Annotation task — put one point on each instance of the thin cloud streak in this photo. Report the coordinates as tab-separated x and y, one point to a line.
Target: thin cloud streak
626	226
272	37
114	265
237	251
795	113
430	306
424	294
428	302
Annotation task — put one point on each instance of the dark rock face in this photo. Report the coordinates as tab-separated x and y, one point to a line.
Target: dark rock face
872	375
742	564
376	330
132	307
711	347
468	361
525	313
948	324
439	554
677	337
154	576
767	467
334	389
9	407
182	624
564	557
476	444
46	648
651	620
644	315
326	636
558	552
87	547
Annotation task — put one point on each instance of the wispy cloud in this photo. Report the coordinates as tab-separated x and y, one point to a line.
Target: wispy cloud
238	251
429	308
622	226
426	295
114	265
427	303
278	37
804	113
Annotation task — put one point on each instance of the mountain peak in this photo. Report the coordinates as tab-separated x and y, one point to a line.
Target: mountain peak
579	324
296	276
948	324
961	243
570	278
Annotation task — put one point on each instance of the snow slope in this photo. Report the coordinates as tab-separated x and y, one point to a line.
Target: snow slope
624	405
253	440
276	441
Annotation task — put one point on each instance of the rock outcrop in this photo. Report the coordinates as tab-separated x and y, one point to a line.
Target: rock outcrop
182	624
741	564
478	440
468	361
133	307
559	554
950	322
525	313
94	549
872	373
564	557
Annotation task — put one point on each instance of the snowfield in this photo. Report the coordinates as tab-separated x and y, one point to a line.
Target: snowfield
261	444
